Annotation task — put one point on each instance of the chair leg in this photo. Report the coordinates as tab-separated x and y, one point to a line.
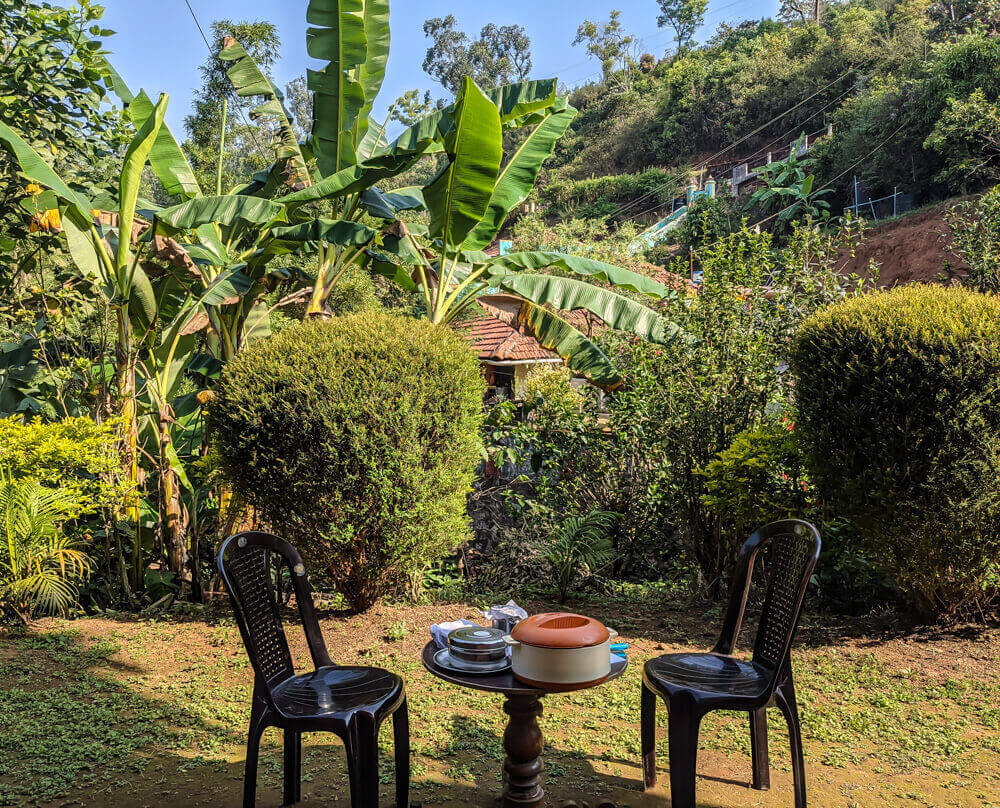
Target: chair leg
362	762
293	767
784	696
758	750
647	711
401	744
258	723
683	727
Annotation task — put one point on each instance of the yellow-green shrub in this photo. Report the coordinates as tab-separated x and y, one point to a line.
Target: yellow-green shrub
898	397
75	454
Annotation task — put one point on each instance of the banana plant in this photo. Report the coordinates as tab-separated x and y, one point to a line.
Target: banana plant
105	253
468	203
347	154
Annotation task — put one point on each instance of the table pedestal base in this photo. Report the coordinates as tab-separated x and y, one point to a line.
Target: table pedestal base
522	741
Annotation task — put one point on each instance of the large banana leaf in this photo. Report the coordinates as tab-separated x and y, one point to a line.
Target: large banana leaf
230	285
167	160
338	39
616	276
223	210
340	232
386	206
129	183
569	294
113	77
351	180
142	305
516	103
249	80
36	170
519	175
399	275
82	251
457	198
522	99
377	35
554	332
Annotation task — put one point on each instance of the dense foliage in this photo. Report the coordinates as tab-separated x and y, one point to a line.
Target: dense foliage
74	454
899	406
53	89
356	439
975	240
693	402
911	91
41	565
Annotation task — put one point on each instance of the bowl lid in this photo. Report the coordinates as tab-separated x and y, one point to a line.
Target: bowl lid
560	630
476	638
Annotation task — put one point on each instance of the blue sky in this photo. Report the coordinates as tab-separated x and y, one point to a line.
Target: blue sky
157	46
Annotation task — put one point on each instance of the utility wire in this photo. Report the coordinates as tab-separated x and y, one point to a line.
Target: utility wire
843	173
250	129
780	139
652	192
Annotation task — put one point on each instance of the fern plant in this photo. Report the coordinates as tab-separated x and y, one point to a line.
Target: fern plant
579	546
40	566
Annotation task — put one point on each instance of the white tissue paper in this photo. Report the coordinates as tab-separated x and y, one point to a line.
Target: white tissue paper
507	611
440	631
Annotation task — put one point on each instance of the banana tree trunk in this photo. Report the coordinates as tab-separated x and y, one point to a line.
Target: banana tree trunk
126	393
174	516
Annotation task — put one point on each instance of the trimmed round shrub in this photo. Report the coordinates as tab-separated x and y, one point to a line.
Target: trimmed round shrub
898	398
356	439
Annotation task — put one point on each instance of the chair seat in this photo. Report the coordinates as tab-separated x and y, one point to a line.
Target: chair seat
331	691
709	675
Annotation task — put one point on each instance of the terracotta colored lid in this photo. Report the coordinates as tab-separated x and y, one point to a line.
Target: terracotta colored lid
560	630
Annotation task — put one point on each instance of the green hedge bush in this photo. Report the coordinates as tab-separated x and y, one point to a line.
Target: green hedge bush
898	397
356	439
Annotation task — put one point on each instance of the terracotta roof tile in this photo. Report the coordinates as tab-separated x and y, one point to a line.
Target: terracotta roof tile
495	341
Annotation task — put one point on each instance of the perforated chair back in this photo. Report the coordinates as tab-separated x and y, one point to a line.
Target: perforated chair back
794	548
244	563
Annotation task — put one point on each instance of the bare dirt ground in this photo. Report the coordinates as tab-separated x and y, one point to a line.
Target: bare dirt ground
128	713
912	248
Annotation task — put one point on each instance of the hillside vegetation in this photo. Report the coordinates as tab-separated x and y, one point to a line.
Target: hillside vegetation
911	88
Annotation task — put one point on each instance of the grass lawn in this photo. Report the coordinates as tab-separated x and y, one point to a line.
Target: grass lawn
129	712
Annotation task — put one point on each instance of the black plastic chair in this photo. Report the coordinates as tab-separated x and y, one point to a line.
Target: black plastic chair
696	684
349	701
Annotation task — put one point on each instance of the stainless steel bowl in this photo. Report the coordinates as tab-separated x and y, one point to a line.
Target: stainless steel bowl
477	647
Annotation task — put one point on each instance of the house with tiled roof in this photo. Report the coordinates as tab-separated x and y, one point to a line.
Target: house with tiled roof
507	353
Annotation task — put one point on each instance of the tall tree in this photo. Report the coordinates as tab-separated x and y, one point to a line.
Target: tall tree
246	150
684	16
501	55
410	107
300	104
611	45
800	10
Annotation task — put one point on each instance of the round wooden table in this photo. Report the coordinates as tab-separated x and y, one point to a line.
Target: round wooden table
522	739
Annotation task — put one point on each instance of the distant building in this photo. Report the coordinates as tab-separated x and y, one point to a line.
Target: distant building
506	354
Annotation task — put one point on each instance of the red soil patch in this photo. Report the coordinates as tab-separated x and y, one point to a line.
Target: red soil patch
911	249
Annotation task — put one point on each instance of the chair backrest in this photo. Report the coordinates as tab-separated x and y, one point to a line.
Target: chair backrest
794	548
244	563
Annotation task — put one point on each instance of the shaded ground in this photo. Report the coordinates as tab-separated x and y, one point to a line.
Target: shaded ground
129	713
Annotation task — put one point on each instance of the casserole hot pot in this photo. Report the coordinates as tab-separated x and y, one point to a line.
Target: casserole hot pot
560	651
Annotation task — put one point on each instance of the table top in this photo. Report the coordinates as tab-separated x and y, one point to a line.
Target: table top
504	682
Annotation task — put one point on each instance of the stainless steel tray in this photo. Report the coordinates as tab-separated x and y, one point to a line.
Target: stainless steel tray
443	659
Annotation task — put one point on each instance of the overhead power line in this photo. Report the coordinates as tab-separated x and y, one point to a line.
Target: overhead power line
782	138
654	191
843	173
211	53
